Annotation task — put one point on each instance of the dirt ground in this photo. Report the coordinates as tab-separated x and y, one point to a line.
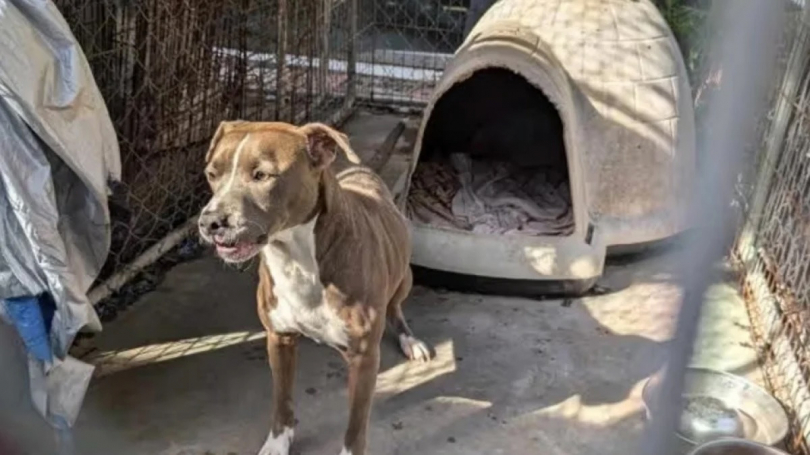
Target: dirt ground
184	371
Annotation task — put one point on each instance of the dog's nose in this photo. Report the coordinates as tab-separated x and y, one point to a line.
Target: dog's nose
213	222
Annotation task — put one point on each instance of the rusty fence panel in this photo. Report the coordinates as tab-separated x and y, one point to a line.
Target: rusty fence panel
772	251
171	70
403	47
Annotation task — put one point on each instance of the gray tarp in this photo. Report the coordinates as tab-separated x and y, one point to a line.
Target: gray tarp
58	151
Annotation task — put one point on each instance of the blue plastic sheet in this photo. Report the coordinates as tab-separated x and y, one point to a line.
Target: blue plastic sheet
26	314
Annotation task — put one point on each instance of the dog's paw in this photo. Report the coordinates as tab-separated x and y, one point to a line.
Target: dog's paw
345	451
278	444
413	348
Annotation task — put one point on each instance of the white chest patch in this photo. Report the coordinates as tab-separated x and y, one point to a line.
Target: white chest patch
300	306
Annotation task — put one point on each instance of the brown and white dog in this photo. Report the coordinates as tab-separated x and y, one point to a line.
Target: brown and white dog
334	251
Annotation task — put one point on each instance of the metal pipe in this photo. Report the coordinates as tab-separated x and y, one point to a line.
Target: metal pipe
747	50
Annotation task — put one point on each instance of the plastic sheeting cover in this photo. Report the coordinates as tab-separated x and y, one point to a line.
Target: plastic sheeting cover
58	151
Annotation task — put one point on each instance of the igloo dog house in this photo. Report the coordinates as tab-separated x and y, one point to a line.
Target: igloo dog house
609	88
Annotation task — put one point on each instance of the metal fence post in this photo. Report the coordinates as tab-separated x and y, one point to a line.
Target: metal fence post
783	112
746	50
351	70
281	58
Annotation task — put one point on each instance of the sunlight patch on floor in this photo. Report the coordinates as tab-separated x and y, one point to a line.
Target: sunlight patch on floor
408	375
643	309
110	362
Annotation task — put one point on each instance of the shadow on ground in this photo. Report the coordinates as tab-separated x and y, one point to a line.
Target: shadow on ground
184	372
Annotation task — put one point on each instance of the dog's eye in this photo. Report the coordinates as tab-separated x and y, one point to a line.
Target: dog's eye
210	175
260	176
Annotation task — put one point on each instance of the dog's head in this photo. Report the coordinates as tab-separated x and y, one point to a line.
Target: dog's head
265	178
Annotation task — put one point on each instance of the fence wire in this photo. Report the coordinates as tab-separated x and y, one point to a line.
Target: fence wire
404	51
774	242
171	70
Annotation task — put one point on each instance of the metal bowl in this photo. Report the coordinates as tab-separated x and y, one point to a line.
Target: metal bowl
722	405
734	446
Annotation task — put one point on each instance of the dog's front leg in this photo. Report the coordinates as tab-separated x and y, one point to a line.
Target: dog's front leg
363	368
281	351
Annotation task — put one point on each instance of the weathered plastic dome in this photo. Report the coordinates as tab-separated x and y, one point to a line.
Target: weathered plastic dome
614	74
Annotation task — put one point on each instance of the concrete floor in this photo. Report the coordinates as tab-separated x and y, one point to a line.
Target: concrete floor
184	372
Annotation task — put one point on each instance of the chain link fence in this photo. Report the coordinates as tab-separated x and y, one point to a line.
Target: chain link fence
773	244
171	70
403	52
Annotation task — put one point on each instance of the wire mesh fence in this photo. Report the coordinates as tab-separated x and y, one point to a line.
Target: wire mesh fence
774	240
171	70
406	46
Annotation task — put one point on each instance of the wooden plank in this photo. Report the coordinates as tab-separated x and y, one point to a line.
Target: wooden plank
385	150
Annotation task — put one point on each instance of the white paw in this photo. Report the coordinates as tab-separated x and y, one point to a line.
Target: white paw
278	445
345	451
413	348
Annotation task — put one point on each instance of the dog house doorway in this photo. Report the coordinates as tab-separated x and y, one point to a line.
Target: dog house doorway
493	161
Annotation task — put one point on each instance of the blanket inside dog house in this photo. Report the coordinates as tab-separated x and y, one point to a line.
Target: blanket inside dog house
559	128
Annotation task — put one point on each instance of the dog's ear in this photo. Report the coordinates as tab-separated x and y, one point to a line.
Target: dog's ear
223	128
323	142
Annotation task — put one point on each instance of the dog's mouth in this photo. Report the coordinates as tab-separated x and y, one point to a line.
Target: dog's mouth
234	250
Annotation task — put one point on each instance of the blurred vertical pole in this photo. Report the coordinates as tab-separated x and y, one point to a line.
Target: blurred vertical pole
746	49
351	58
281	60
